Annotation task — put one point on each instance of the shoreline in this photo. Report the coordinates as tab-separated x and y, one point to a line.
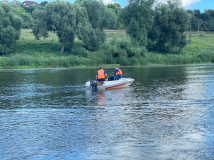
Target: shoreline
96	67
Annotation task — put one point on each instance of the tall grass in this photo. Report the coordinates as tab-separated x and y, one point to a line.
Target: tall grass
200	50
25	61
118	50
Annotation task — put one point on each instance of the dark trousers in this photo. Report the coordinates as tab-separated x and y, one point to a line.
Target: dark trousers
101	79
117	77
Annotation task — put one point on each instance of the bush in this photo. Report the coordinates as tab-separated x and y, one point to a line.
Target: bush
88	35
10	28
124	52
206	55
82	52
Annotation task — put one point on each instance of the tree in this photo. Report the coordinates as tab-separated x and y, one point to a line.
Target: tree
44	3
30	9
78	1
10	29
197	13
116	9
208	18
59	17
193	20
137	17
26	18
168	31
91	31
15	3
85	19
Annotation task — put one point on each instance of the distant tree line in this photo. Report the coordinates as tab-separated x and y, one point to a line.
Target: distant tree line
201	21
154	26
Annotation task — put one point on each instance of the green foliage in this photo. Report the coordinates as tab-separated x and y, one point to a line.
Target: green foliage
20	60
116	10
90	37
91	30
41	54
15	3
195	20
168	31
124	52
137	17
208	17
78	1
27	19
201	21
206	55
116	51
60	17
44	3
10	27
85	19
170	59
40	27
79	51
98	14
30	9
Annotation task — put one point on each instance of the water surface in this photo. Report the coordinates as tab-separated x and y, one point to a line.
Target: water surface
167	113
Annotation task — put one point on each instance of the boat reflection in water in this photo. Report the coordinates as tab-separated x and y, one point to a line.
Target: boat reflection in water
115	97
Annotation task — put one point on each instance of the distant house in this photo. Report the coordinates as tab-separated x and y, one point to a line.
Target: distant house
4	1
30	3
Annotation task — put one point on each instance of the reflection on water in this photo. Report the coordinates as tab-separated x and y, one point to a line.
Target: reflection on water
167	113
117	97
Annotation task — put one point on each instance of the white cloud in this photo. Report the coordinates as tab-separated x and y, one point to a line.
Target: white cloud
186	3
108	2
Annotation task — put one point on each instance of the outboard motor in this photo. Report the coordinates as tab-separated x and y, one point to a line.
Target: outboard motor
93	85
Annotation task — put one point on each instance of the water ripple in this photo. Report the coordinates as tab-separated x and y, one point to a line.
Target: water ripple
167	113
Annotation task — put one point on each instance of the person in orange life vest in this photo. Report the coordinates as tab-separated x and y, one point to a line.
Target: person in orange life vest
101	74
117	74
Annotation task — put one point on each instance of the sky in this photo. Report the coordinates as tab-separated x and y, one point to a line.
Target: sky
202	5
188	4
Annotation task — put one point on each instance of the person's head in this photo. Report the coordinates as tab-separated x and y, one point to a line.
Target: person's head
101	67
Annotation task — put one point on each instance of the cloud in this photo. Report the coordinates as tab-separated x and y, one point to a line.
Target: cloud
186	3
108	2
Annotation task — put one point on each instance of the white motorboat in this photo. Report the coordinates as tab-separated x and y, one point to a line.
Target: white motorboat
122	82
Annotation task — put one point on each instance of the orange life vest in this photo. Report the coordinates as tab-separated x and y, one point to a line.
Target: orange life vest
119	72
101	74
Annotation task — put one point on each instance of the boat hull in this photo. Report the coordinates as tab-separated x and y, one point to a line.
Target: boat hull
108	85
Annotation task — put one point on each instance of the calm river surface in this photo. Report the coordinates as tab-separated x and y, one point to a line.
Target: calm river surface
167	113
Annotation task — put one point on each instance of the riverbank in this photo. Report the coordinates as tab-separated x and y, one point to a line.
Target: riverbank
44	53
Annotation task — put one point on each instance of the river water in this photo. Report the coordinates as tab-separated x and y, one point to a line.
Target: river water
48	114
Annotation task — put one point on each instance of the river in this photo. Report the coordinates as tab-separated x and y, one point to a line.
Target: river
48	114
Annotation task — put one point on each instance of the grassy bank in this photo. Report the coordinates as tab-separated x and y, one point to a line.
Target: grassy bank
44	53
200	49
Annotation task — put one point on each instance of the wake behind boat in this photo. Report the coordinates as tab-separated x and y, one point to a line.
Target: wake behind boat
122	82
